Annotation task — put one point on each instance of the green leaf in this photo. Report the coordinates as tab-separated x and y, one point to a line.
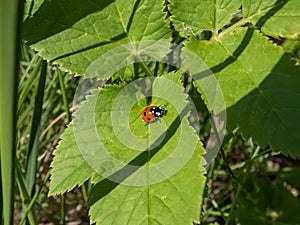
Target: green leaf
154	171
75	35
260	84
154	188
193	16
275	18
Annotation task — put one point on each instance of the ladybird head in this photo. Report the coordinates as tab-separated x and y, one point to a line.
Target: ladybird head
160	111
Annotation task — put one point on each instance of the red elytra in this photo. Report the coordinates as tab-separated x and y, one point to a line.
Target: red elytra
152	113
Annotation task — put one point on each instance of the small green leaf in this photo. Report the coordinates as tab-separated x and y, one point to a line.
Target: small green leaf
75	35
260	84
194	16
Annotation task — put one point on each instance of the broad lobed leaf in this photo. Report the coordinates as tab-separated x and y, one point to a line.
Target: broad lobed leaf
260	84
135	199
154	187
74	35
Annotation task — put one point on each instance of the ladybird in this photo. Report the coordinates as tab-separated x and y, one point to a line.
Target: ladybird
153	113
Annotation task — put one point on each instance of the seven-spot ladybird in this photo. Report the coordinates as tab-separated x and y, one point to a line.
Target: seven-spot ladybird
152	113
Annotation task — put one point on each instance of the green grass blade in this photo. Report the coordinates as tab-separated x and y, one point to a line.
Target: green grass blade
35	130
11	12
1	199
25	196
28	84
30	202
30	63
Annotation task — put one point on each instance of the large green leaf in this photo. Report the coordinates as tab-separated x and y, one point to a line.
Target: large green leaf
260	84
202	15
74	35
151	172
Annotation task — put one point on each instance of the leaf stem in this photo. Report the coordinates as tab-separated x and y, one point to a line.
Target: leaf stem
62	209
232	27
84	193
64	95
143	65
